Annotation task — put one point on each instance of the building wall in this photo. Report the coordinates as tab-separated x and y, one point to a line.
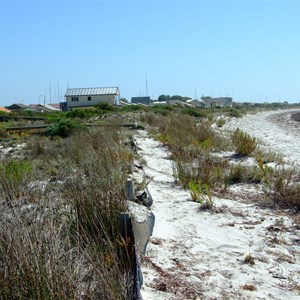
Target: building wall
84	102
143	100
221	101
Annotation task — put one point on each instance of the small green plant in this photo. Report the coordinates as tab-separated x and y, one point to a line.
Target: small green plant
201	193
243	142
206	144
220	122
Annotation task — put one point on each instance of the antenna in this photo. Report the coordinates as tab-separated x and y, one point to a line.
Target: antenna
146	86
50	93
58	90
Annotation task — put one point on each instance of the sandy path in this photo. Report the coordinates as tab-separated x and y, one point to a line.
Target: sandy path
202	255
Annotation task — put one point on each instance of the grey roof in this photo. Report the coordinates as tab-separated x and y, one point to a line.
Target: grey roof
47	106
92	91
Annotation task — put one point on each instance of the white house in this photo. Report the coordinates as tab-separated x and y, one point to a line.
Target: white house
87	97
221	101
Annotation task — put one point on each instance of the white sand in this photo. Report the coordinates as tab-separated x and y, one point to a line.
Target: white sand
275	129
202	255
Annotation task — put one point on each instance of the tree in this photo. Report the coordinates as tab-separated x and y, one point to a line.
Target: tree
164	97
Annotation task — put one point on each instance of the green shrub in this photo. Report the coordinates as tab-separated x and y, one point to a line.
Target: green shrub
104	106
220	122
162	109
3	133
234	113
283	189
194	113
243	142
81	113
13	175
63	128
128	108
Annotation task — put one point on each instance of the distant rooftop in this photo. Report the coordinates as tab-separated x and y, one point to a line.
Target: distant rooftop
93	91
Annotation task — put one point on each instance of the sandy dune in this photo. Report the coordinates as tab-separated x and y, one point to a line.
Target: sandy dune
276	130
241	251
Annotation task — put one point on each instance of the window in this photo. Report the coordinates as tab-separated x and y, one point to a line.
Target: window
89	98
73	99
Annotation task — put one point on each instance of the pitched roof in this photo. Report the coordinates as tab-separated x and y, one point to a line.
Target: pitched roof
92	91
17	106
55	105
4	109
41	107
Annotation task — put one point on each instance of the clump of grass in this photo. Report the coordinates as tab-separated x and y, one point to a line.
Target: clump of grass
33	263
249	260
206	168
201	193
244	174
3	133
13	176
243	142
283	188
235	113
220	122
249	287
190	143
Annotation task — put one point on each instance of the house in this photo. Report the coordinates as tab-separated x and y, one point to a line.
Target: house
18	107
213	102
5	110
43	107
88	97
196	103
175	102
141	100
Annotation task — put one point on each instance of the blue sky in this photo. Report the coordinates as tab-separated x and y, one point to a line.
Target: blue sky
249	50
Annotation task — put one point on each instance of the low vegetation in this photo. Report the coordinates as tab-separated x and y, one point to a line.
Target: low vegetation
193	144
244	143
60	218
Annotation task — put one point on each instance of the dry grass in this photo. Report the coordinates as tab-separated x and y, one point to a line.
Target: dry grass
249	287
283	188
62	239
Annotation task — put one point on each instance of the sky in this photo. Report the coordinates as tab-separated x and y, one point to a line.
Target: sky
248	50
